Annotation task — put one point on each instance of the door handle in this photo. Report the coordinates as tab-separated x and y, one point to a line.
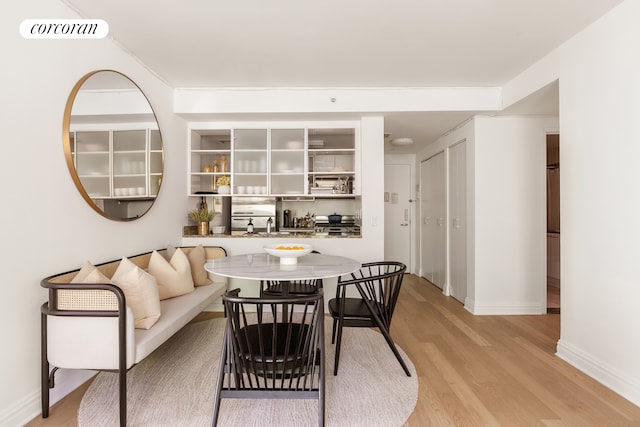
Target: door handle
404	225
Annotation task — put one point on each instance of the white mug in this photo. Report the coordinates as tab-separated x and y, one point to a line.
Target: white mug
250	189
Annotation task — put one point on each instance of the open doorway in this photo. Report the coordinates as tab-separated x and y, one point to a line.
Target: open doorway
553	223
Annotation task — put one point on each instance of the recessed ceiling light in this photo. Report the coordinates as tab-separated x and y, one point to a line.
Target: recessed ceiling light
402	141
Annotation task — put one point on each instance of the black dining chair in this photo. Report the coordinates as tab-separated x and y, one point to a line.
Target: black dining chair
268	354
378	284
291	288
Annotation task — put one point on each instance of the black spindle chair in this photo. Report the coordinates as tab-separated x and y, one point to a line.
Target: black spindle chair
378	284
271	353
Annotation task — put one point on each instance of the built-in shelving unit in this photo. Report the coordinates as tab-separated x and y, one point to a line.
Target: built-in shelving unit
274	159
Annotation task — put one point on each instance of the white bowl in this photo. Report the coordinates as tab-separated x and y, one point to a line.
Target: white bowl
288	256
218	229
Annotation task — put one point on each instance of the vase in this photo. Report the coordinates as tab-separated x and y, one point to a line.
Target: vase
203	228
224	189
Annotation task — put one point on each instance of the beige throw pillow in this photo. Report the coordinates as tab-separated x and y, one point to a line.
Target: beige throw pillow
197	258
82	299
141	292
174	276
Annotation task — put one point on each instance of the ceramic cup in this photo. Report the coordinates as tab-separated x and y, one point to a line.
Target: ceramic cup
250	189
241	189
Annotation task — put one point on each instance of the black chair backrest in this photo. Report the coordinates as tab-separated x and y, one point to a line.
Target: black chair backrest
266	351
294	288
379	283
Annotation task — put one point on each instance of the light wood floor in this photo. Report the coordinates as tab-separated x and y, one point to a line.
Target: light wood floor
476	370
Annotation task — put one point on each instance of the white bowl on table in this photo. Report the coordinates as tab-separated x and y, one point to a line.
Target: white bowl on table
288	252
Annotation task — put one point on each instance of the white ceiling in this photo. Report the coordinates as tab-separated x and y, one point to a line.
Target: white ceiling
348	43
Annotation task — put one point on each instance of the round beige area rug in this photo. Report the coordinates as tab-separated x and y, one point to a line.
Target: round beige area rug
175	386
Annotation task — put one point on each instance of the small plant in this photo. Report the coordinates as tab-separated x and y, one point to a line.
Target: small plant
224	180
200	215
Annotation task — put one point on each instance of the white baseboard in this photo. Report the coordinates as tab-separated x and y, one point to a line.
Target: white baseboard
29	407
599	371
502	309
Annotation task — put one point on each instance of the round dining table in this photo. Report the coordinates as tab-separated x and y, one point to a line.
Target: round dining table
262	266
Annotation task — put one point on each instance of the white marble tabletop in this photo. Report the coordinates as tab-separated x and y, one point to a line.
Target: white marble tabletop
262	266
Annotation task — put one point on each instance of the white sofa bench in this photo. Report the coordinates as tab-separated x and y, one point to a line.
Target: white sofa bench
77	335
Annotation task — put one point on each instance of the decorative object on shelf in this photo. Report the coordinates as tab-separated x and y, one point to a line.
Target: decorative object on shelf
223	164
202	217
215	169
224	185
203	204
342	185
206	168
218	229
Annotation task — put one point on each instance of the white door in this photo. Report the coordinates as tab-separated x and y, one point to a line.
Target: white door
433	220
397	213
458	221
440	229
426	222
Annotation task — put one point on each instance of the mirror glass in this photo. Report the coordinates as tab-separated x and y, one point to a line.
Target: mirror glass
113	145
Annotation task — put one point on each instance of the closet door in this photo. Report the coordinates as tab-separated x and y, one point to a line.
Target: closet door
458	221
433	231
440	228
426	221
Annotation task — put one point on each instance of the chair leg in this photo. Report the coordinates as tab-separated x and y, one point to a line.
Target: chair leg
333	332
220	380
338	343
123	397
393	348
322	383
44	367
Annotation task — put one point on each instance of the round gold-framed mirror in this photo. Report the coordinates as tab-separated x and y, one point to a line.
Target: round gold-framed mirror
113	145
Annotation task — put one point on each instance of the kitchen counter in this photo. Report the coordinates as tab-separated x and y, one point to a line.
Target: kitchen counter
243	235
303	233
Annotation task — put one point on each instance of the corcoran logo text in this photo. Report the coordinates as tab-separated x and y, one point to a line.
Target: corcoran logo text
64	29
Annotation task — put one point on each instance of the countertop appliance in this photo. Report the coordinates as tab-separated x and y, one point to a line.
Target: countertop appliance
258	209
335	224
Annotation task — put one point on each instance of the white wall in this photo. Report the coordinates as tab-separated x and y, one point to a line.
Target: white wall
600	204
510	215
598	72
46	227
